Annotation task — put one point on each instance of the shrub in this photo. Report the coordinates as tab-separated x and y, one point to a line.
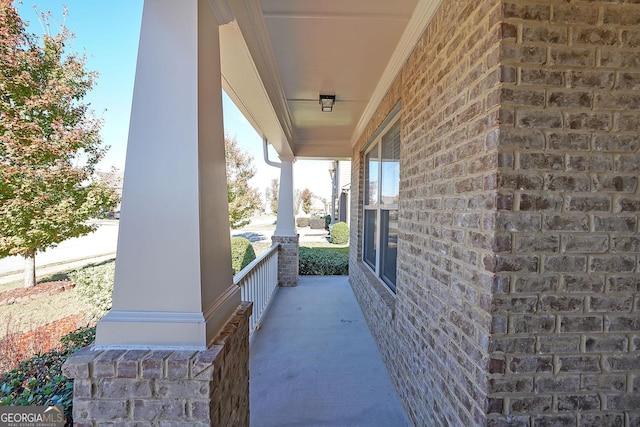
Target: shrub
302	221
94	285
242	253
340	233
39	380
323	261
316	223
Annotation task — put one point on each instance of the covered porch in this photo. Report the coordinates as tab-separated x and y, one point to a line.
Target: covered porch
494	207
174	348
313	362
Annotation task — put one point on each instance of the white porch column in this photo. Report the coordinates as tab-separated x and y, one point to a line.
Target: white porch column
173	283
285	226
285	233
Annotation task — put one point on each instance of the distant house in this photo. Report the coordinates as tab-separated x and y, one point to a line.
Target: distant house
340	184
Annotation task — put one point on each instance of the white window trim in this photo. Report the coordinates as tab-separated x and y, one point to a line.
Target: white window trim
376	141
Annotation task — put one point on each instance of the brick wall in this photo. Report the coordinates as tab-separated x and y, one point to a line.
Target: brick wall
517	296
287	259
566	325
434	334
165	387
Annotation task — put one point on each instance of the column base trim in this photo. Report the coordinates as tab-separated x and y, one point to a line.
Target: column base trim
127	329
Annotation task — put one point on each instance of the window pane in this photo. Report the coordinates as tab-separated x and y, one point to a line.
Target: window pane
391	166
370	238
389	246
371	178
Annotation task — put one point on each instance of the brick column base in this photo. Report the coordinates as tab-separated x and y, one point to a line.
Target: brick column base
165	387
287	259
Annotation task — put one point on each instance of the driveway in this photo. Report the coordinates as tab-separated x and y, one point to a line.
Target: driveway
102	242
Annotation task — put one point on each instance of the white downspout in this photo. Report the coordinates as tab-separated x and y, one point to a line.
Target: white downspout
285	224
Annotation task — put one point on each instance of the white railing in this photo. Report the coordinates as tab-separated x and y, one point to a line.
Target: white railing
257	282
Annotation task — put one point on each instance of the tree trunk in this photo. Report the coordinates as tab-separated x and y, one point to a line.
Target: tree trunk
30	270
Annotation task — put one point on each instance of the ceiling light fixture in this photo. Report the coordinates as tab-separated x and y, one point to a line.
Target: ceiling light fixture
326	103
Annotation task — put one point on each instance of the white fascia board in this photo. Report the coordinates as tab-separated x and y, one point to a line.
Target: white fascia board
251	77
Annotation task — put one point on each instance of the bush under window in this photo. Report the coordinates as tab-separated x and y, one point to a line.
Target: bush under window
323	261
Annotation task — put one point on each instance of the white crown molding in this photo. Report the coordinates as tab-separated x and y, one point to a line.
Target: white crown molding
420	19
250	20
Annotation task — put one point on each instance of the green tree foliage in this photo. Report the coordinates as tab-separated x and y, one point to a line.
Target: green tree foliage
273	191
242	253
243	200
297	201
306	200
49	142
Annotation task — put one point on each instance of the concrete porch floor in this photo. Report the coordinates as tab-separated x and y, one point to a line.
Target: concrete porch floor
313	362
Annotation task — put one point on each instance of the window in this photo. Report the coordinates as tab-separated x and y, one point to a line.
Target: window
381	194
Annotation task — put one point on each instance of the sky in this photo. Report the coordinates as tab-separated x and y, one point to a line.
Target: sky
108	32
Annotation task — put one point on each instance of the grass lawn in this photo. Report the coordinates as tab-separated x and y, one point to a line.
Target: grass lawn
45	278
39	279
26	315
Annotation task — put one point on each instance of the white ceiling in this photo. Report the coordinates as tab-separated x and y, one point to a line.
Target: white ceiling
279	55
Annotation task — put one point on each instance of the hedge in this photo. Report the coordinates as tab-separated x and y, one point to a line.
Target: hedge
242	253
316	223
323	261
302	222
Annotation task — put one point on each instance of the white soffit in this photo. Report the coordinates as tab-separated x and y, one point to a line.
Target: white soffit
279	55
242	83
422	15
332	47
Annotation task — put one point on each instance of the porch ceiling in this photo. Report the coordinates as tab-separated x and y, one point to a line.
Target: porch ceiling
279	55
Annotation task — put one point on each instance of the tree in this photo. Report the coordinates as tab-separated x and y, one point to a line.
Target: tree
306	200
273	195
297	201
243	200
325	203
49	143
